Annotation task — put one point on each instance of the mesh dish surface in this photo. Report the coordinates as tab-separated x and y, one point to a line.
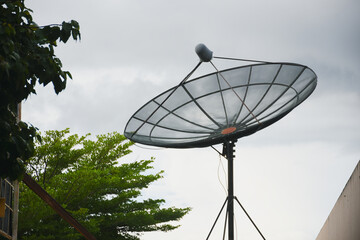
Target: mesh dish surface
221	106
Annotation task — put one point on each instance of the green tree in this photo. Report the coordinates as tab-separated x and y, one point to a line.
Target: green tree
86	178
26	58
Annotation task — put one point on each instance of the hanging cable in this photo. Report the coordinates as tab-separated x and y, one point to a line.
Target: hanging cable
236	228
218	171
218	174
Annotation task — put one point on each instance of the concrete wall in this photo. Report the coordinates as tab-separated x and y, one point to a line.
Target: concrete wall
343	222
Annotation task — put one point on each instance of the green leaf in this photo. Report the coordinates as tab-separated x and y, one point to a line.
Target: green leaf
87	177
65	32
26	58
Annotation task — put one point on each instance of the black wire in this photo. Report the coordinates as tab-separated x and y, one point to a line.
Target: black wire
241	59
250	218
216	150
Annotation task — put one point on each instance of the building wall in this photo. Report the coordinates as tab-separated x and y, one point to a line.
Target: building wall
343	222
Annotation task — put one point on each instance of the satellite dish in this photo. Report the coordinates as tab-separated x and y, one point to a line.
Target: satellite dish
221	107
227	104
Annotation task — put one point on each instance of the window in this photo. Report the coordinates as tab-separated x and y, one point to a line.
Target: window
7	192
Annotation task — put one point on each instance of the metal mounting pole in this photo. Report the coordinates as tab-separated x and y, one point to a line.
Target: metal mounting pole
231	190
229	154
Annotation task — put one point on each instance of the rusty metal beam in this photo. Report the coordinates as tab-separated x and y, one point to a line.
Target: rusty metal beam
34	186
2	207
4	234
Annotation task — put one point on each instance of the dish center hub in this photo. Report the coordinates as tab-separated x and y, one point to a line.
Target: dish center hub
228	130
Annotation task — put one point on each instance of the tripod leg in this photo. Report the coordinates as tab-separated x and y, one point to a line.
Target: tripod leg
226	218
250	218
212	228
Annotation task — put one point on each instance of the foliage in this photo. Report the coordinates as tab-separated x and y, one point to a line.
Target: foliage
26	58
84	176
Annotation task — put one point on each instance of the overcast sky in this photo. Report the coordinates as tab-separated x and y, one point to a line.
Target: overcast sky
289	175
